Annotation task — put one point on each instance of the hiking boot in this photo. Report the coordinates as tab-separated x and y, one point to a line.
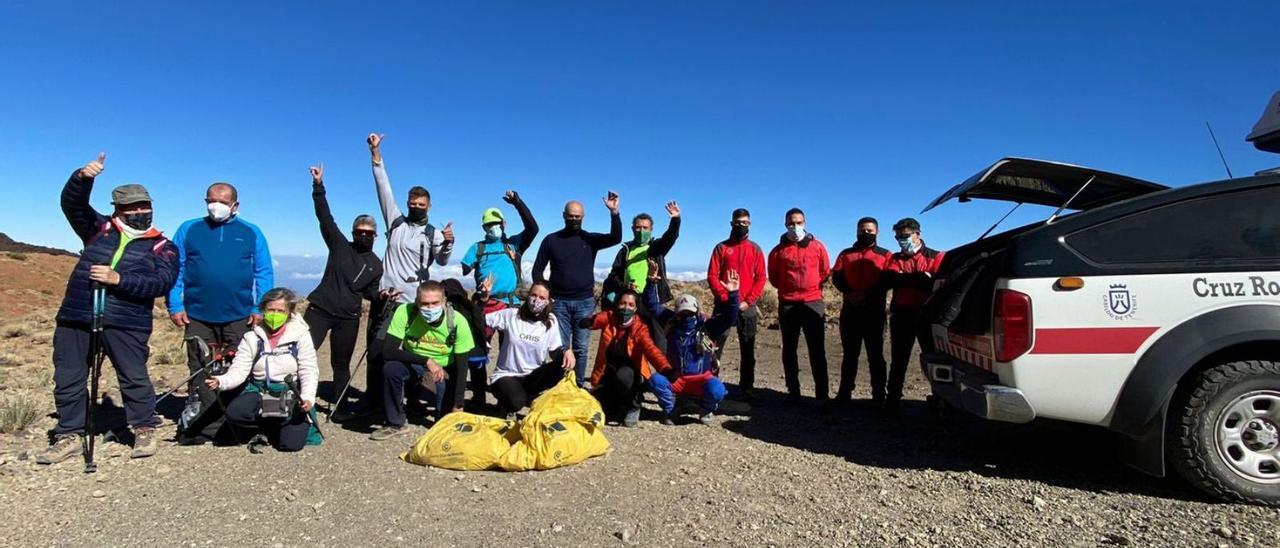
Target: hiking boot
632	418
666	421
707	419
389	431
63	447
145	443
258	444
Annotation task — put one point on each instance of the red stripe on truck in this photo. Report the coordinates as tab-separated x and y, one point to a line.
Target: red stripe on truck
1091	340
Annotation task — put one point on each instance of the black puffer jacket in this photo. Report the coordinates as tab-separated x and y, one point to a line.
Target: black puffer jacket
147	268
349	273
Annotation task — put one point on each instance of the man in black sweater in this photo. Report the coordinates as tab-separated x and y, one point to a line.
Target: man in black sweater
571	253
351	273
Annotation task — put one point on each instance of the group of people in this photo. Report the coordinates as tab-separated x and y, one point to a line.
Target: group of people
422	334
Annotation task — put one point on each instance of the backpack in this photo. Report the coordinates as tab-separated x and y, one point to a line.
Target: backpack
427	256
704	346
510	252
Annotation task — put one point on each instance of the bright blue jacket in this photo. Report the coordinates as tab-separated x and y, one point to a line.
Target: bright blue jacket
223	269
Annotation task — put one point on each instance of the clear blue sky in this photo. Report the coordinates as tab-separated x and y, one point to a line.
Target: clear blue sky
841	109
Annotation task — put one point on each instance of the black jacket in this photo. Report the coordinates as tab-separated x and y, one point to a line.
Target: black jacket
349	274
148	267
658	249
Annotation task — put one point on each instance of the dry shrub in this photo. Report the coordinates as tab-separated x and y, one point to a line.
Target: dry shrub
18	412
10	359
16	256
17	328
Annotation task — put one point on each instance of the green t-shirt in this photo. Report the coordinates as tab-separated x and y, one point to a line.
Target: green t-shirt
638	267
426	340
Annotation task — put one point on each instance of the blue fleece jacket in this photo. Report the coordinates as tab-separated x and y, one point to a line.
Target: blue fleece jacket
223	269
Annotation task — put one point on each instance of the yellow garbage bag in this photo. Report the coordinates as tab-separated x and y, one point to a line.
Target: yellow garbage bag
565	426
462	441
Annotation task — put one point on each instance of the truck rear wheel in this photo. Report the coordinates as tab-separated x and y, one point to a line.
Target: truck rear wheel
1226	432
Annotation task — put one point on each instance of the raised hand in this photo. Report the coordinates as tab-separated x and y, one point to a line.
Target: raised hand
487	285
611	202
447	232
94	168
317	174
654	274
511	197
732	282
673	209
375	141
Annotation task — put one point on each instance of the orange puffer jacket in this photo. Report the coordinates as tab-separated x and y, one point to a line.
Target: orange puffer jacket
644	353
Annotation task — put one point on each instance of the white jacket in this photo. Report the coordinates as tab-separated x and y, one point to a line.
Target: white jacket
280	360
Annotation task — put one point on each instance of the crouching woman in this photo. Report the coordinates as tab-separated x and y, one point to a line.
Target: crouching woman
275	357
626	360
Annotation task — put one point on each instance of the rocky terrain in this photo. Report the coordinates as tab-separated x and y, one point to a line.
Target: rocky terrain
764	475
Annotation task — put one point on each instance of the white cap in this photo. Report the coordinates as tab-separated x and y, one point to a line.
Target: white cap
687	303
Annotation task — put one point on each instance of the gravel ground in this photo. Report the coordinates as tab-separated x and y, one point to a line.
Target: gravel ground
768	475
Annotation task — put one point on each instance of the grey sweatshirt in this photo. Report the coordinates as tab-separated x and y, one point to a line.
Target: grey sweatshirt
409	255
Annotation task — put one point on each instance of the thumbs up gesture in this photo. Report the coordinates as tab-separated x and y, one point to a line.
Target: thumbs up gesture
317	174
94	168
447	232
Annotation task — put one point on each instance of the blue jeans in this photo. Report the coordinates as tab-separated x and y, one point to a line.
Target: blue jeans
569	313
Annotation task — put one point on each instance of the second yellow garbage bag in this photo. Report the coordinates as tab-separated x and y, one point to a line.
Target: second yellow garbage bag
462	441
565	426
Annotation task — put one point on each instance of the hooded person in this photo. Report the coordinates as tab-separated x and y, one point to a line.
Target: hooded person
274	359
691	350
134	264
351	275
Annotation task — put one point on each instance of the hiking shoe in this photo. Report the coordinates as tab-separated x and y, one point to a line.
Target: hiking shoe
707	419
389	431
632	418
63	447
666	420
258	444
144	442
350	412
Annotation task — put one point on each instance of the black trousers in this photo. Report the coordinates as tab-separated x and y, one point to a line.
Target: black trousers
341	346
904	330
128	353
209	421
748	324
285	436
377	324
620	390
402	380
514	393
808	318
859	325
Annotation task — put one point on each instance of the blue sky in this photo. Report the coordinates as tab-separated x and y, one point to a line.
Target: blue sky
842	109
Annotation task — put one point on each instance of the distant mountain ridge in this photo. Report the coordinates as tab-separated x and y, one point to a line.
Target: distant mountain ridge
9	245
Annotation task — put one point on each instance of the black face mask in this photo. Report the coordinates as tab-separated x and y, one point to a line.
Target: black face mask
573	225
739	232
866	239
417	215
137	221
363	243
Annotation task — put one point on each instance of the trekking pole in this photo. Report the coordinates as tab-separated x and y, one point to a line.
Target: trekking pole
95	358
342	396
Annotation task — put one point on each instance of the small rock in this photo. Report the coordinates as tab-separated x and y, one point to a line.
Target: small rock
99	494
556	528
163	470
459	477
1224	532
24	454
1116	539
317	506
290	497
1038	503
624	535
475	489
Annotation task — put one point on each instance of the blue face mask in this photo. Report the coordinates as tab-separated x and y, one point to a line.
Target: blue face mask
907	245
432	315
688	323
494	232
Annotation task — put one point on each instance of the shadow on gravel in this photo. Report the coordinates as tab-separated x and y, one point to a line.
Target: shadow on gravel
1062	454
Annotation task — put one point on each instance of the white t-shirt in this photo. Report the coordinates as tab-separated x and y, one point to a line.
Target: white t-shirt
525	346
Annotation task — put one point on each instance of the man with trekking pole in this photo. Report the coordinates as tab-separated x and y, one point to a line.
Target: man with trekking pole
125	265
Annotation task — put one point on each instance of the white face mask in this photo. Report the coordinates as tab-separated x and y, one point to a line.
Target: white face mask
494	232
219	212
796	232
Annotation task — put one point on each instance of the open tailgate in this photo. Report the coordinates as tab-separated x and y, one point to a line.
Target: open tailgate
1266	133
1042	182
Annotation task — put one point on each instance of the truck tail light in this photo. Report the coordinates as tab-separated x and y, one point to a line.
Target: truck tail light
1012	324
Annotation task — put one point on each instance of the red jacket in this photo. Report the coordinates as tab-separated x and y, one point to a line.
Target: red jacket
798	269
859	274
912	276
743	257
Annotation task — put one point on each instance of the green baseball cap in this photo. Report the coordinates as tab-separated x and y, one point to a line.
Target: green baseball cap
491	215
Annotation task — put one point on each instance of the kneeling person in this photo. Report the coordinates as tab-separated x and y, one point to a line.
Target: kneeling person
275	357
424	340
532	357
626	361
691	349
